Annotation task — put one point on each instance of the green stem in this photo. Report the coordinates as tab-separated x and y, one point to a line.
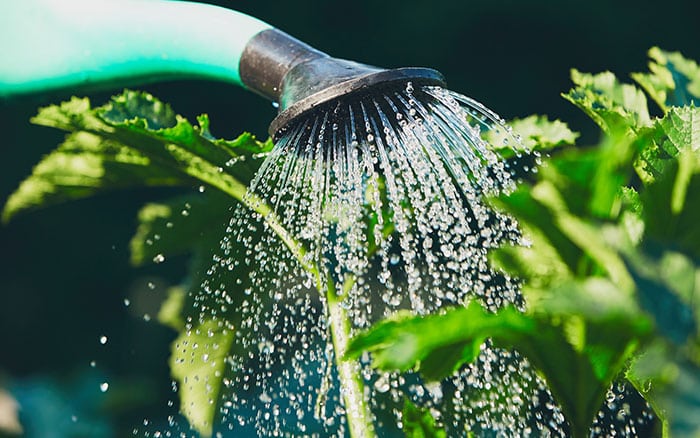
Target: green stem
352	387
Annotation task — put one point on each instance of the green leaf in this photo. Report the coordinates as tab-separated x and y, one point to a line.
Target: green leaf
564	238
419	423
133	141
671	206
608	102
537	133
673	80
671	385
198	363
584	235
666	289
539	263
678	130
84	165
171	310
404	341
179	225
540	228
578	338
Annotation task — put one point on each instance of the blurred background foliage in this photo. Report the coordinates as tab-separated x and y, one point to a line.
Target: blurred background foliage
65	272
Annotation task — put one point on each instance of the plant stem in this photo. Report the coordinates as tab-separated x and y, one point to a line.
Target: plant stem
351	385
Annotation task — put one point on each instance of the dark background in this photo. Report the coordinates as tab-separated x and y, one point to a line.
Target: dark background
64	271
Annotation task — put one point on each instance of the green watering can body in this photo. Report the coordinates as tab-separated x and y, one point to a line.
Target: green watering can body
53	44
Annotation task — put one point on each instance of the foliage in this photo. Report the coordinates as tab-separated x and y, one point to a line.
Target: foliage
536	133
609	269
419	423
608	260
135	141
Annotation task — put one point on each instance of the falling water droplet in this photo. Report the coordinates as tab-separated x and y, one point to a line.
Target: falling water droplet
103	339
384	197
104	386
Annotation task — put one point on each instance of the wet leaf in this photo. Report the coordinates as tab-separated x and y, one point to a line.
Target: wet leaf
179	225
678	132
671	384
578	366
171	309
197	363
672	81
419	423
536	132
607	101
133	141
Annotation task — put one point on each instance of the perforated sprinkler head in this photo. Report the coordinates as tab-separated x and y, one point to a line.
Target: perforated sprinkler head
302	79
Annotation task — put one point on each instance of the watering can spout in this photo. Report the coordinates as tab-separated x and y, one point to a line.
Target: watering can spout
49	45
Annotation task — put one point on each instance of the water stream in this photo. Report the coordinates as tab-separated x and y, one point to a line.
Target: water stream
381	200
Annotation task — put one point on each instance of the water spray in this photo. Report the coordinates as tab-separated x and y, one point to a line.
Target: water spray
352	141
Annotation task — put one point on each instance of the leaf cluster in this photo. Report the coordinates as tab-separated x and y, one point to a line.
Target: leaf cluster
137	141
608	260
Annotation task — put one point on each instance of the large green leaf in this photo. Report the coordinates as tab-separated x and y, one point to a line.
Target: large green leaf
673	80
198	362
678	131
133	141
419	423
578	339
180	225
608	102
536	133
406	341
666	289
671	384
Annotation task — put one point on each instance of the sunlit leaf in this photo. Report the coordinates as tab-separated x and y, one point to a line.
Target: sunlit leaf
133	141
536	133
673	80
677	132
197	363
578	373
607	101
